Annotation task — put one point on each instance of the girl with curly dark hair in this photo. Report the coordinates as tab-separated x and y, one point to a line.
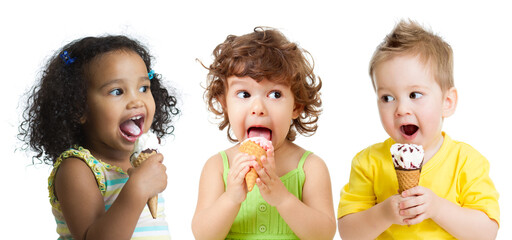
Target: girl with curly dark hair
262	86
96	96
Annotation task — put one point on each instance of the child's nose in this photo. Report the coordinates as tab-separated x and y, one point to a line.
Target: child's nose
402	108
135	102
258	108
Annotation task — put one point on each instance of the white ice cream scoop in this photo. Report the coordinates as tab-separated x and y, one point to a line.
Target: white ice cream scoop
407	156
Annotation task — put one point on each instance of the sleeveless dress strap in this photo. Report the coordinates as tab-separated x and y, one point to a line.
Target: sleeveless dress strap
225	162
303	159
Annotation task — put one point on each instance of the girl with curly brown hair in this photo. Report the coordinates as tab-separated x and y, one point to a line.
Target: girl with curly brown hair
262	85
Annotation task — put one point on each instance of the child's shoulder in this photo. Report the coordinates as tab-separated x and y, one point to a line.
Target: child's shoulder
375	151
216	161
315	163
312	162
73	168
459	145
73	175
462	149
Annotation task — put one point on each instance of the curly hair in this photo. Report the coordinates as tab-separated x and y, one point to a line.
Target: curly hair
409	37
51	120
265	54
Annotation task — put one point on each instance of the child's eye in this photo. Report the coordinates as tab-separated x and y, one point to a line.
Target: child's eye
143	89
415	95
243	94
116	92
387	98
275	94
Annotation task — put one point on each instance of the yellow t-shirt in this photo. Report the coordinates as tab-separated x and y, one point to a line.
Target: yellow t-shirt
457	172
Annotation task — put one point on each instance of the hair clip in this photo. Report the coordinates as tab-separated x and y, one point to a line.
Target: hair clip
151	74
67	59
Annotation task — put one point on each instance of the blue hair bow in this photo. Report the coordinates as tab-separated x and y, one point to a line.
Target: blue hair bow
67	59
151	74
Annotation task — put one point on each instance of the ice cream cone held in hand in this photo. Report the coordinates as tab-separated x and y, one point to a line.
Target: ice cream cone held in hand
255	146
407	159
146	146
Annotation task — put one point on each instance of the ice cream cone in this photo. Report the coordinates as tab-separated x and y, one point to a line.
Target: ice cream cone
407	159
256	150
407	178
152	201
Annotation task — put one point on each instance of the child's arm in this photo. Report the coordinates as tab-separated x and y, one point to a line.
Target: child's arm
83	206
462	223
311	218
217	208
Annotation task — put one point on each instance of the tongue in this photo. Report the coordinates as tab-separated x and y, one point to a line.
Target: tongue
260	132
130	128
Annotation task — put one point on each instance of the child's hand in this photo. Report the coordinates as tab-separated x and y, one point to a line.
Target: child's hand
391	210
150	177
271	188
236	188
419	203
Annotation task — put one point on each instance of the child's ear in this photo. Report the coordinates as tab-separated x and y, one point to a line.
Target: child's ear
449	102
297	110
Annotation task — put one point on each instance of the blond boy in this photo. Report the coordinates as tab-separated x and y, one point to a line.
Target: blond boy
412	75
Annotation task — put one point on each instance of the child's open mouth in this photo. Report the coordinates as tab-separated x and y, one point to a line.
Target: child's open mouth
259	132
409	129
131	129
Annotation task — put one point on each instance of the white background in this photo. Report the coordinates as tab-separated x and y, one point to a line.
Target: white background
341	37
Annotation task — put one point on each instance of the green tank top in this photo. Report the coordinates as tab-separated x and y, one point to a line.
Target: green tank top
256	219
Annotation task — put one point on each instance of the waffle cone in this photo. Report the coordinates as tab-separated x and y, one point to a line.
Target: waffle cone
152	201
407	179
256	150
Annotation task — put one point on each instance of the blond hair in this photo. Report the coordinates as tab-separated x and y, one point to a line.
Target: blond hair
408	37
